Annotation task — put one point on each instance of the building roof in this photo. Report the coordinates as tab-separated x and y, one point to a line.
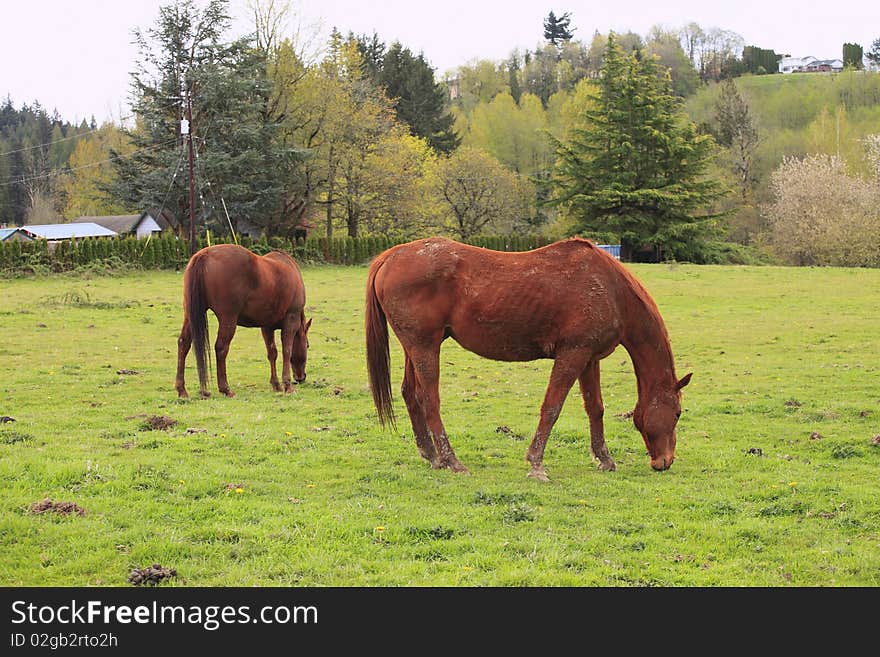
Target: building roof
128	223
120	223
68	231
6	232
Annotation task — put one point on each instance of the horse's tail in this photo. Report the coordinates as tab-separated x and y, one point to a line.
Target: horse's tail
378	356
197	313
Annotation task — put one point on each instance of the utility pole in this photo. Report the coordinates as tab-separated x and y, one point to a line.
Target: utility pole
186	129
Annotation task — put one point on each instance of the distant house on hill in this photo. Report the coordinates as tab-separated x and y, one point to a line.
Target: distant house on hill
809	64
60	232
140	225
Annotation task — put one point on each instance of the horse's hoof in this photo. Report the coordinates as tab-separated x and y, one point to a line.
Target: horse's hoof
289	388
182	394
458	467
607	466
204	393
228	393
538	473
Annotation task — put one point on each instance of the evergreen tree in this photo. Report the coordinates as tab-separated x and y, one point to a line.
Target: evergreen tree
556	29
873	54
421	103
852	55
637	168
373	53
239	162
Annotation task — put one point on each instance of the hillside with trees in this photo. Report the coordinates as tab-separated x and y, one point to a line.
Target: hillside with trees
681	144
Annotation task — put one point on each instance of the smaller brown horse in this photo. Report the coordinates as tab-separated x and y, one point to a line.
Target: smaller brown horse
569	301
243	289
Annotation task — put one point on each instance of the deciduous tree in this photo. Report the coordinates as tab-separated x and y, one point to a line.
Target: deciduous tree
477	194
822	216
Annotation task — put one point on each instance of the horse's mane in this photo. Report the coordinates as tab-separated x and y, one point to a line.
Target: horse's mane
639	291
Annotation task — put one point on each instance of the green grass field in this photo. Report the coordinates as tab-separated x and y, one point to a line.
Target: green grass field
775	481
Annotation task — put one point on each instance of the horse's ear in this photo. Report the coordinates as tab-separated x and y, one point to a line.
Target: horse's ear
684	381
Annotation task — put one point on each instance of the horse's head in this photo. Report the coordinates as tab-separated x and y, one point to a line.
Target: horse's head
656	419
300	351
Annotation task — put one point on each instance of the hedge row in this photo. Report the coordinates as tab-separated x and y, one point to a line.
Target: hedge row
169	252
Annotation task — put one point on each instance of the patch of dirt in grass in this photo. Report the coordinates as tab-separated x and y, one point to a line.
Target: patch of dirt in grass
151	575
876	440
61	508
157	423
815	436
507	431
755	451
127	371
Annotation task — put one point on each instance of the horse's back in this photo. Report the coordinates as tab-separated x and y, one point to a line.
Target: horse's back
257	290
502	305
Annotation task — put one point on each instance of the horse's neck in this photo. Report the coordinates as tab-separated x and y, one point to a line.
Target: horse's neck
647	342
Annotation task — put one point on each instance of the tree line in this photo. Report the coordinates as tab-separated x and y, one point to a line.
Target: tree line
595	139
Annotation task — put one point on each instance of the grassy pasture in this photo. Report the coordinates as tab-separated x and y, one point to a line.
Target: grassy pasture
775	481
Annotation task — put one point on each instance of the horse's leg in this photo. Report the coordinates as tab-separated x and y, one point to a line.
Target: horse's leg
272	355
409	390
566	369
184	341
592	394
225	333
426	364
288	333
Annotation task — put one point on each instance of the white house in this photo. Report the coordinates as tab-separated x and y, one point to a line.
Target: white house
141	225
795	64
809	64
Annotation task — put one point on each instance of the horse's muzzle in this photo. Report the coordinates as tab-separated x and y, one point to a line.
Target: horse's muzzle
662	463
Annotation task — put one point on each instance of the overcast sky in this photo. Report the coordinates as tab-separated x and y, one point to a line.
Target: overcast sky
76	55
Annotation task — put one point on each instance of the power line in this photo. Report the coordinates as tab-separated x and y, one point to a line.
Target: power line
61	172
52	143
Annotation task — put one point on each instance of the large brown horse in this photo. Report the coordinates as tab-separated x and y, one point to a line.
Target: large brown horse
243	289
569	301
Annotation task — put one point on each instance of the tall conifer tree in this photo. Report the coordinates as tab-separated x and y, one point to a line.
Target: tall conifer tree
638	168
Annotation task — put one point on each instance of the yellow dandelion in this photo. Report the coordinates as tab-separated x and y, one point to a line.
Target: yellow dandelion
310	485
466	568
239	490
182	481
792	483
223	435
380	528
288	433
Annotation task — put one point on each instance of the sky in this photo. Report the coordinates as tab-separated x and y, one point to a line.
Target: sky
76	56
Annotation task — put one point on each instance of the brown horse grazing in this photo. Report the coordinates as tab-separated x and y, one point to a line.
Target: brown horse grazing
569	301
243	289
